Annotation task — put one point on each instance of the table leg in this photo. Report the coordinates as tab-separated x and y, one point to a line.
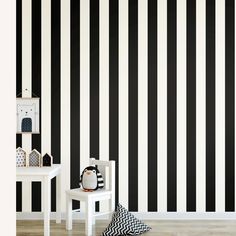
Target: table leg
58	198
47	205
42	192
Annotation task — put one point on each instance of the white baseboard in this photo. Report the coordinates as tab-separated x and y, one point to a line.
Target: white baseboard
141	215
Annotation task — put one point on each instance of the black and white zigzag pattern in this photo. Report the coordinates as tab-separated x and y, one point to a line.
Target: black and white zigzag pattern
124	223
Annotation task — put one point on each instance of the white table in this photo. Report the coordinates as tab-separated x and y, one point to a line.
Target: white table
44	175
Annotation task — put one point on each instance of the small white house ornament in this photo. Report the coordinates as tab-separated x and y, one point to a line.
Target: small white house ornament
20	157
27	115
34	158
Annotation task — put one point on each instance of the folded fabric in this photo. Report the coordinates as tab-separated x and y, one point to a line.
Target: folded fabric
124	223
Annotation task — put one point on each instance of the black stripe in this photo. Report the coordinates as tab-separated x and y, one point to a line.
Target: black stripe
191	105
55	90
36	88
18	87
210	105
18	196
229	106
94	80
152	105
133	105
75	97
18	140
171	105
114	87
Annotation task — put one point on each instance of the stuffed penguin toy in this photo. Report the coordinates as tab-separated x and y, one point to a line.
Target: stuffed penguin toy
91	179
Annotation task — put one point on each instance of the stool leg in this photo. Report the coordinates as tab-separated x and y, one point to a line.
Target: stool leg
68	213
89	217
111	207
94	211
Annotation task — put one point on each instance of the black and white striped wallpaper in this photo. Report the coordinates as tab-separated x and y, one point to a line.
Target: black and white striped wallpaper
147	83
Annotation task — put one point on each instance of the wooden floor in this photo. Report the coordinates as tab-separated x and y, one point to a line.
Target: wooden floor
159	228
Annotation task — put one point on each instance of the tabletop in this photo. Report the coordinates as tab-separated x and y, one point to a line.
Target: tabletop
46	170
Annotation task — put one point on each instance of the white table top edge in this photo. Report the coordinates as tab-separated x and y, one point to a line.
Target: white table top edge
43	171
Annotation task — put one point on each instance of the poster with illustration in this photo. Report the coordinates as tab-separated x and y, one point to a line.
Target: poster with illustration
27	115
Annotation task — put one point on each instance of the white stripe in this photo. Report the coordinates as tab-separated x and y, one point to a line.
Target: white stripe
46	77
123	102
26	88
181	105
84	85
142	104
104	85
65	98
220	105
200	106
162	105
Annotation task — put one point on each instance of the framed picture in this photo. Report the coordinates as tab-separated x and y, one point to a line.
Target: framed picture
27	115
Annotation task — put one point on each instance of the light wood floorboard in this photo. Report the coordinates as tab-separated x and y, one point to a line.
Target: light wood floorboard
159	228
